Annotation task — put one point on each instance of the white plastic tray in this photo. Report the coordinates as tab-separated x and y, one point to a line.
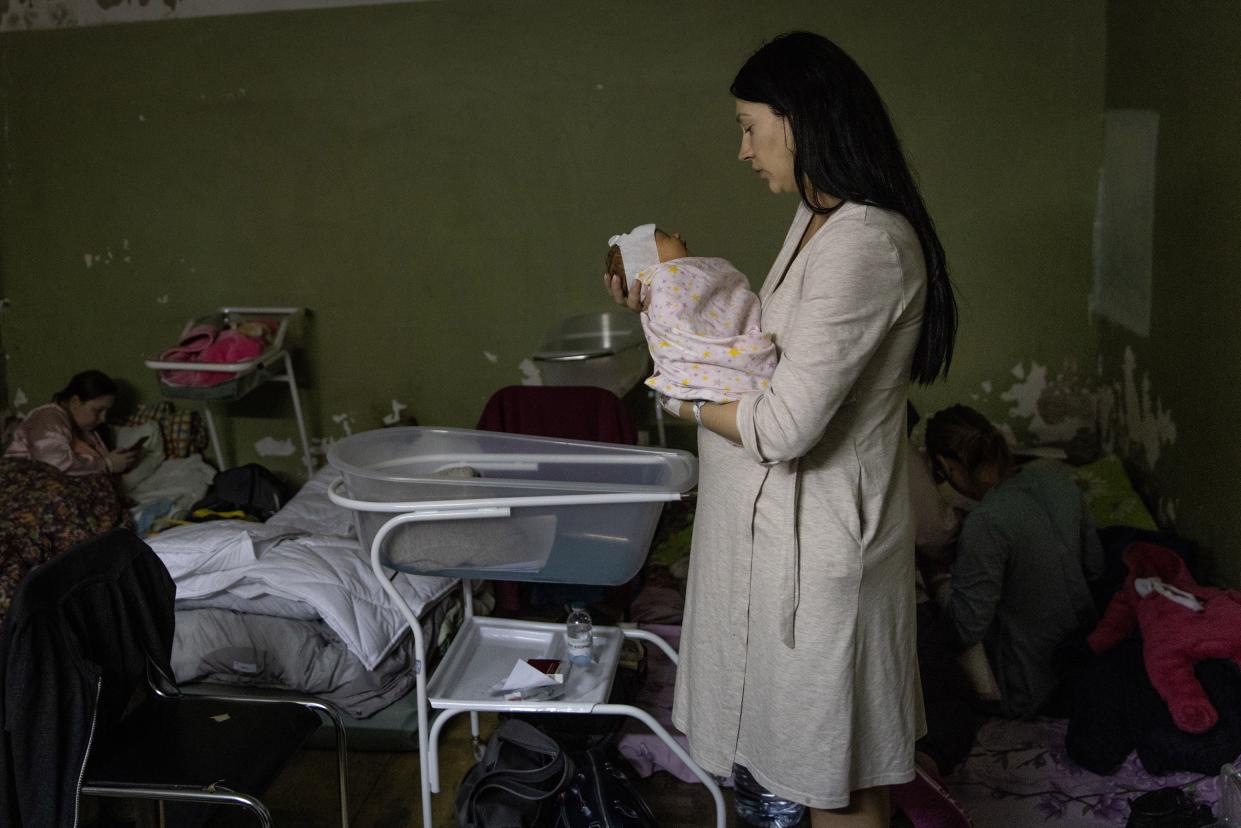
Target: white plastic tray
485	651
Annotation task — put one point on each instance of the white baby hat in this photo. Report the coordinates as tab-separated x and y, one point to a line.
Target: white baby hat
637	249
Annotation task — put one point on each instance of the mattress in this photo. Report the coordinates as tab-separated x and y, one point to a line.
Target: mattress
294	604
222	646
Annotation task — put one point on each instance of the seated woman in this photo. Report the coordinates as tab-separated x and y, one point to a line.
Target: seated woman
56	480
1023	559
64	433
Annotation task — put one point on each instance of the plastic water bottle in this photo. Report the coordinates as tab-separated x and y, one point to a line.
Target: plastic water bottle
755	805
578	634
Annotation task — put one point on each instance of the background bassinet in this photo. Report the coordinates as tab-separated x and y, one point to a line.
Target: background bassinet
273	364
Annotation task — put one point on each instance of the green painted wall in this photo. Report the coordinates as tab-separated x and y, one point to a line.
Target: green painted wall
436	181
1180	60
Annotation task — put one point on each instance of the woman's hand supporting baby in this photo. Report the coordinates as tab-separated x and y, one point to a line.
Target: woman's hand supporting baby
634	299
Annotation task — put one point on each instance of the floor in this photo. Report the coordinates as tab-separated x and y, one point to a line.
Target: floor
384	790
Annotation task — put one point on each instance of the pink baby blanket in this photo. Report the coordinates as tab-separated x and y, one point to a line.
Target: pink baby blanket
206	343
702	326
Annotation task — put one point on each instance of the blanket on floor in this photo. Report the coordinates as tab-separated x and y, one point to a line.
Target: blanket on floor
44	512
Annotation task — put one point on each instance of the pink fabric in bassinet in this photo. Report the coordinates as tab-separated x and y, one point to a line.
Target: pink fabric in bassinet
232	346
192	343
702	327
202	344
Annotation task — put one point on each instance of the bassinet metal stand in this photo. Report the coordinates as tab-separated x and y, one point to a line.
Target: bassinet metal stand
452	691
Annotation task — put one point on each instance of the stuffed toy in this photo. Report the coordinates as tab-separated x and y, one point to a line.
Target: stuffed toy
1181	623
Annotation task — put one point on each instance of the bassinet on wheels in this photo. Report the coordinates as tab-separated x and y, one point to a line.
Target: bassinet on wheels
477	504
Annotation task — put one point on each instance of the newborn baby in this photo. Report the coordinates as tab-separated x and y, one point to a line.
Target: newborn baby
701	319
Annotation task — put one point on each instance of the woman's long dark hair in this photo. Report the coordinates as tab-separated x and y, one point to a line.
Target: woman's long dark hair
844	145
86	386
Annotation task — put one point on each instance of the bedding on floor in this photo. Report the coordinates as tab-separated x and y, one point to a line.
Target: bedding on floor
1020	774
247	649
293	603
170	475
274	570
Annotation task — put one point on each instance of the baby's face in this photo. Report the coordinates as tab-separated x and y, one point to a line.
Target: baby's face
670	247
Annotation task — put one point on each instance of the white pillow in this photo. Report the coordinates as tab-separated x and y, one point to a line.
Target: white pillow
149	457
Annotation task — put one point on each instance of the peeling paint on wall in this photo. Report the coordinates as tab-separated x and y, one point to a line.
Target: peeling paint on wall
28	15
1131	419
320	445
1056	409
107	257
490	357
345	421
271	447
530	374
395	416
20	398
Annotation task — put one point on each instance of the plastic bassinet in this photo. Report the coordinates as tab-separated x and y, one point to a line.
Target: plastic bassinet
509	506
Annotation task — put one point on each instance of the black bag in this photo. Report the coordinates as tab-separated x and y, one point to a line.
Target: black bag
516	782
251	488
602	793
1168	808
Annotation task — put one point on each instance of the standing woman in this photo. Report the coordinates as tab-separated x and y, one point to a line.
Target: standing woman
798	658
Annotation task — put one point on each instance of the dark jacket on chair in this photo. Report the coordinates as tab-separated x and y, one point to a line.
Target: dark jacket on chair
73	646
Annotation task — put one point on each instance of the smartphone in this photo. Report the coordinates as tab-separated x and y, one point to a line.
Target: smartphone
138	445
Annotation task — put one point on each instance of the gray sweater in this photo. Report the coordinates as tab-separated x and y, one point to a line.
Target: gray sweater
1019	582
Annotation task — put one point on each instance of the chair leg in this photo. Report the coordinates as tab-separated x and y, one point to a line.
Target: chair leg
342	748
342	753
219	796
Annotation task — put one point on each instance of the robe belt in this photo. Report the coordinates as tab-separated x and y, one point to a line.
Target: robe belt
790	556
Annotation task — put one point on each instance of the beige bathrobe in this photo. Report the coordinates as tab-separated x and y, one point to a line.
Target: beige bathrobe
798	650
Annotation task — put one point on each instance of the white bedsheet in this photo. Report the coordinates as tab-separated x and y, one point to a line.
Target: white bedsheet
280	569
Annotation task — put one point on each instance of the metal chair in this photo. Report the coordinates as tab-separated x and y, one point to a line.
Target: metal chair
89	709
